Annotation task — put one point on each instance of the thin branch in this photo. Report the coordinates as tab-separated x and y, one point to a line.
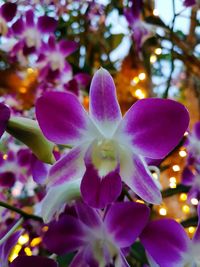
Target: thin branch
21	212
11	231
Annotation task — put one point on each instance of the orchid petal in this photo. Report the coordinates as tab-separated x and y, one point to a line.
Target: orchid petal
104	107
136	175
46	24
18	27
4	117
33	261
67	47
150	126
166	242
126	229
87	215
64	236
197	130
8	11
187	176
70	167
62	118
56	199
39	170
7	246
30	18
103	190
196	237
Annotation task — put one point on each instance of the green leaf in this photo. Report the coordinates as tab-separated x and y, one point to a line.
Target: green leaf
28	132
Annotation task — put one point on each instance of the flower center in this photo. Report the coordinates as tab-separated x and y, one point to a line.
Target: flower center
105	156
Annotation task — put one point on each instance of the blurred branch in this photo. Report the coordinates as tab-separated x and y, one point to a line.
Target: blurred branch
173	191
21	212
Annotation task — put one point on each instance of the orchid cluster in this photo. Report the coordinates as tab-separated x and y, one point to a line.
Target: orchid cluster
87	204
78	183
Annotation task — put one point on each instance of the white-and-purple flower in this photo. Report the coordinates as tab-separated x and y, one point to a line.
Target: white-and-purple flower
99	238
52	59
30	31
109	149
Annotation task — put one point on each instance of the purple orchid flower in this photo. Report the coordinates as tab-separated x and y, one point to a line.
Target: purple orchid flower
7	13
30	33
141	30
108	149
33	261
167	244
98	239
52	59
7	246
192	178
4	117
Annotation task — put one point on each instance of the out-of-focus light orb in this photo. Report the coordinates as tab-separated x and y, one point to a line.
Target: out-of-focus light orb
153	58
183	197
155	12
182	153
142	76
176	168
194	201
158	51
23	239
163	211
139	94
186	209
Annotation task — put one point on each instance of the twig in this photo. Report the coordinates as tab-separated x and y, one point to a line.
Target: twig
21	212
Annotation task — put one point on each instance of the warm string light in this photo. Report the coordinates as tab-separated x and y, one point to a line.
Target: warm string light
186	209
5	156
155	12
158	51
194	201
183	197
163	211
139	94
153	58
176	168
172	182
182	153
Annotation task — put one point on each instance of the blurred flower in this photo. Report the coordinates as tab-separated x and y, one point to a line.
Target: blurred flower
98	239
167	244
7	13
4	117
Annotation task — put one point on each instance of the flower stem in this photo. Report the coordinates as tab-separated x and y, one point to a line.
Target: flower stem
11	231
21	212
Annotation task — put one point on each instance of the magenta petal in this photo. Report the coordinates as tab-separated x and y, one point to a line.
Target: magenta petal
33	261
78	260
46	24
87	215
61	117
39	170
82	79
7	246
8	11
155	126
187	176
7	179
197	130
70	166
125	222
139	179
64	236
104	107
4	117
166	242
196	237
103	190
30	18
67	47
18	27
